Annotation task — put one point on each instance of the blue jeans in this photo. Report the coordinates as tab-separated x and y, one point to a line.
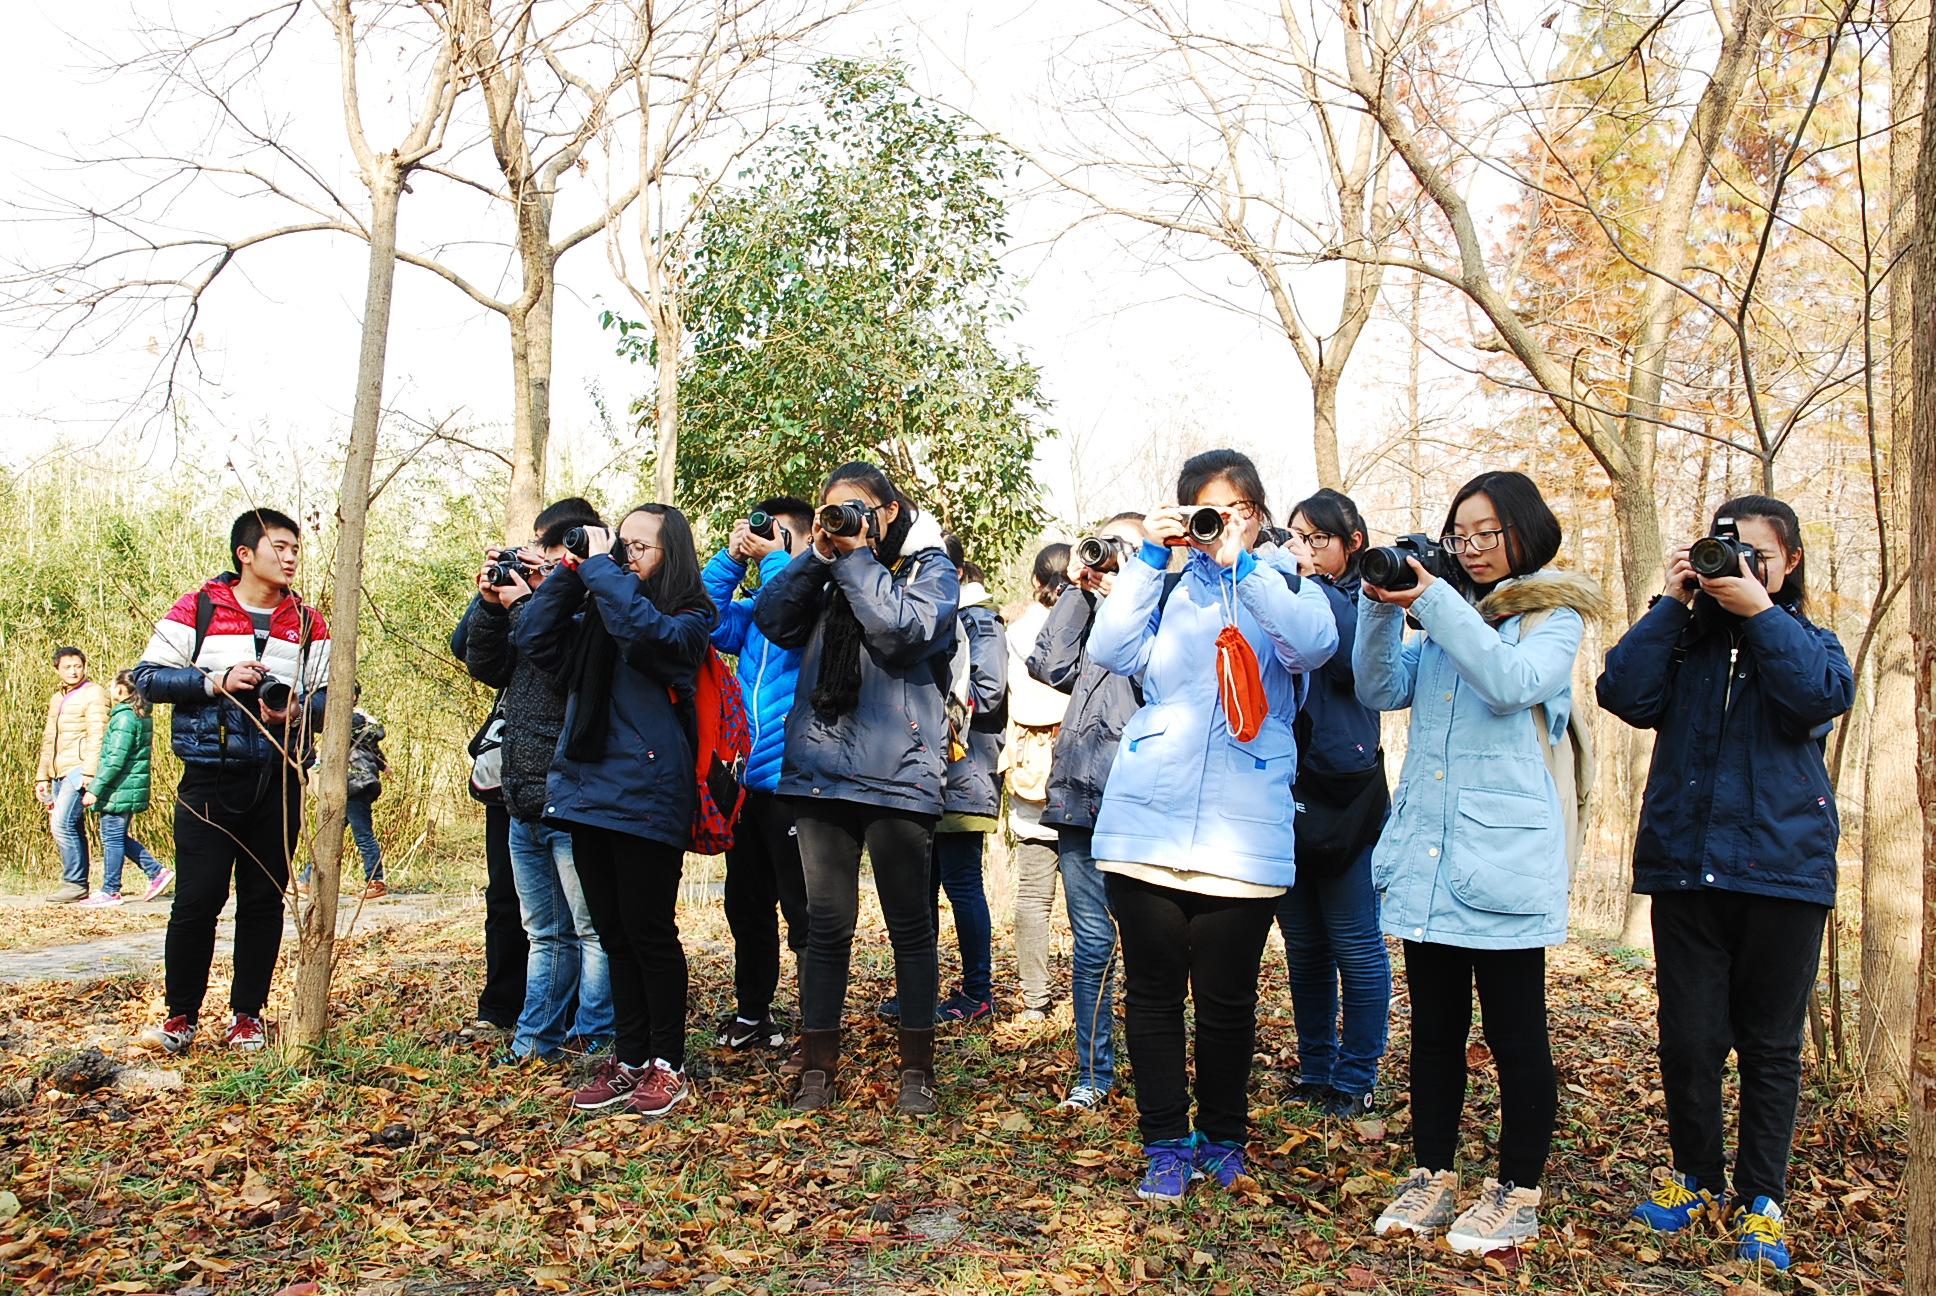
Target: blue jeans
70	833
566	957
1331	941
956	868
116	846
364	831
1093	977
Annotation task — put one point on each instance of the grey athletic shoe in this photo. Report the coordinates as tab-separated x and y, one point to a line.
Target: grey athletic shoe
1504	1217
67	893
1426	1203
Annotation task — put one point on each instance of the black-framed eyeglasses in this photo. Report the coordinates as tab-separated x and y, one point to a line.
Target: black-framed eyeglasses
1477	542
1316	540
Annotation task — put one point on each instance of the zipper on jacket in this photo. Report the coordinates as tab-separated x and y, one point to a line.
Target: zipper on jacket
759	680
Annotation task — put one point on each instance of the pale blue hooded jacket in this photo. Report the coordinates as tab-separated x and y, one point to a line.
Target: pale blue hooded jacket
1182	793
1474	851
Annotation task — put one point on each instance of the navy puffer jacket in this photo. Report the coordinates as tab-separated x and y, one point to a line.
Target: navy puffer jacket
1338	734
973	784
1738	796
1101	702
643	783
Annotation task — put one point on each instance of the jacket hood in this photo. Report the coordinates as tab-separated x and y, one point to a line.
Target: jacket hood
923	533
974	594
1544	591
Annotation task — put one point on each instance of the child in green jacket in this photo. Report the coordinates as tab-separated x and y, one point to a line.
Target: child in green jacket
120	792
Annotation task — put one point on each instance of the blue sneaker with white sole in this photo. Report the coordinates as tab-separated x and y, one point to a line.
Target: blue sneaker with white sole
1172	1165
1675	1204
1222	1162
1762	1234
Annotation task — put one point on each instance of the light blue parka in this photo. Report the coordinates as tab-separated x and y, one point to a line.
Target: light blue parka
1182	793
1474	852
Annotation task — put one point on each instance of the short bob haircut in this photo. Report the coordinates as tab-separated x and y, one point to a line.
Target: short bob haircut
1233	466
1533	534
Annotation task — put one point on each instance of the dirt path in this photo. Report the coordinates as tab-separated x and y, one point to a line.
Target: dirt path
140	950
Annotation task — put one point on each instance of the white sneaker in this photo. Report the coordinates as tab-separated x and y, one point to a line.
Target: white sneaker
1504	1217
100	900
1083	1098
1426	1203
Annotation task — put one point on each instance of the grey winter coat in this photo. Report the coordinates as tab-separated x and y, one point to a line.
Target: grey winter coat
534	704
1100	704
890	750
973	783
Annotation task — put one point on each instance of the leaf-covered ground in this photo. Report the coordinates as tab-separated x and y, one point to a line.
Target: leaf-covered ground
401	1162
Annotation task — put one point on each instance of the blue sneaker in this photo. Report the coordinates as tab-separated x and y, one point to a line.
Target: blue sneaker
1761	1233
1676	1203
1172	1165
1220	1161
959	1010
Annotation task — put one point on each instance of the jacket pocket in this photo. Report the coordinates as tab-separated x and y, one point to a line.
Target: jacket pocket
1506	853
1140	759
1257	777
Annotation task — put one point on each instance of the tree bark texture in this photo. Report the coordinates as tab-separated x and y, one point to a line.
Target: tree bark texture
665	407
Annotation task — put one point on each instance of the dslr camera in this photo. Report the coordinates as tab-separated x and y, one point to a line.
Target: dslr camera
1385	568
578	544
761	524
272	694
1719	553
848	518
509	568
1100	553
1205	525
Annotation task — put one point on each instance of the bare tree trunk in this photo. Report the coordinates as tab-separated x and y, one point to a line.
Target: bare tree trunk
330	786
665	410
527	443
1324	429
1637	519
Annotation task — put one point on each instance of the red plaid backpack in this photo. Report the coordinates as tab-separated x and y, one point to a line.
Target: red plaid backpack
722	740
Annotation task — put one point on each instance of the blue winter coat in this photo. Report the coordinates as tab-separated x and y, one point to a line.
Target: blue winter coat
1183	793
890	750
1474	851
972	785
643	783
1738	796
1101	702
1338	733
768	673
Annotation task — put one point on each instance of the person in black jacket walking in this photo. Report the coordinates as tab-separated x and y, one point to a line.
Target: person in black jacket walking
1100	704
873	602
1736	845
628	628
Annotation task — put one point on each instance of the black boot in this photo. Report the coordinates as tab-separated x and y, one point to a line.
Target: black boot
819	1057
917	1073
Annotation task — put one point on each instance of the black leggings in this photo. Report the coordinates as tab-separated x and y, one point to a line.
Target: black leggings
763	869
1512	1008
831	836
1209	947
632	890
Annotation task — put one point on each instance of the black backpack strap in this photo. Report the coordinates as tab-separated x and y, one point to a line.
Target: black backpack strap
204	618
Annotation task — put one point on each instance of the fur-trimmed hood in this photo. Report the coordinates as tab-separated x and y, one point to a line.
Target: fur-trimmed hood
1543	591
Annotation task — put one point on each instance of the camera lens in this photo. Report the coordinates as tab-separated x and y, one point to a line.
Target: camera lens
1094	551
273	694
848	519
577	543
1712	557
760	524
1385	568
1206	524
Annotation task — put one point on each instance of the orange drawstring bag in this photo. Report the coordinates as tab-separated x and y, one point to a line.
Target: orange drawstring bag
1241	683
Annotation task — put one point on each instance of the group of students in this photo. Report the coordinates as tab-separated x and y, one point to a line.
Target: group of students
1214	768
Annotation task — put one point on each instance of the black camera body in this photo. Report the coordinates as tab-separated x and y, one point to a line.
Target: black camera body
1719	553
1386	567
848	518
508	569
1100	553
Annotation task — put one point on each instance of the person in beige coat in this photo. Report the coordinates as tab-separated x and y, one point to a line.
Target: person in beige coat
70	749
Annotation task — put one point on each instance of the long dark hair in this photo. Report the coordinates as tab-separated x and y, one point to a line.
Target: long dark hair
1788	528
1336	514
1533	534
1233	466
136	698
673	587
836	688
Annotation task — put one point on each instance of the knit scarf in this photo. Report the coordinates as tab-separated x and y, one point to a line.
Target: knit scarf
836	689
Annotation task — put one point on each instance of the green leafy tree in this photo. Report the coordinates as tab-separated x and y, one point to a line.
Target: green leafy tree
844	304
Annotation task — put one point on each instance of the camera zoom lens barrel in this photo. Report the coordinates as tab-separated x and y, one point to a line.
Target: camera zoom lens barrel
1713	557
1385	568
577	543
1206	524
760	524
848	519
1094	551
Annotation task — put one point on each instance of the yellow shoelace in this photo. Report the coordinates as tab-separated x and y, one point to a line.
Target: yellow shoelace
1759	1228
1671	1195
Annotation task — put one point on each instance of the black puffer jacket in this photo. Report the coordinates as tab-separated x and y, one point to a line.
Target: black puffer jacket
534	704
1100	704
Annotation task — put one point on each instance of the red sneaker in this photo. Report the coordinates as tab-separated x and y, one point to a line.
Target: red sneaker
659	1091
246	1033
611	1085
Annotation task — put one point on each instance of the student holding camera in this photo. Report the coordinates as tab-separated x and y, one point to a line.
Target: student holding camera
627	627
1100	703
1035	710
1333	949
872	605
1194	835
763	863
1736	845
1472	868
244	662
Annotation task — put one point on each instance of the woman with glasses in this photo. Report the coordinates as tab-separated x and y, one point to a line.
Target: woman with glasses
1194	836
1333	950
872	601
1472	868
626	629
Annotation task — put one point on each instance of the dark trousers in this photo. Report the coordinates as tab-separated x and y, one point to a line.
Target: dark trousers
1734	971
1208	947
762	870
1512	1012
632	889
897	842
956	865
506	950
230	821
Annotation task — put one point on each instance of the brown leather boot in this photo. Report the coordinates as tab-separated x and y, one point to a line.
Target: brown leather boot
819	1058
917	1073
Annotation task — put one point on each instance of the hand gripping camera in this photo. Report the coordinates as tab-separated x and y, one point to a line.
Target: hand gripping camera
509	569
1205	526
1385	567
1719	553
1100	553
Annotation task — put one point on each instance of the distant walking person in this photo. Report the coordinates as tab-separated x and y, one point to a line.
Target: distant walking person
120	792
70	750
366	785
245	664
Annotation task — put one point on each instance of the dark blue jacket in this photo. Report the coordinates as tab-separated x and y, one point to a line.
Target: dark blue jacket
768	673
972	785
1337	734
890	750
1738	796
1101	702
643	784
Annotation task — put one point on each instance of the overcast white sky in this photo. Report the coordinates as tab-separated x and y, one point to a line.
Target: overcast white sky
1127	350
